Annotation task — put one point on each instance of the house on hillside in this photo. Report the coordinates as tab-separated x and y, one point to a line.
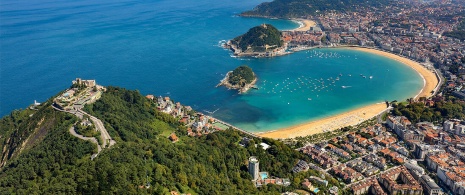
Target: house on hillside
173	138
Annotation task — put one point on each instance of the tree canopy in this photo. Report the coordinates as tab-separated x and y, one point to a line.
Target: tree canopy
60	163
302	8
259	38
417	111
241	75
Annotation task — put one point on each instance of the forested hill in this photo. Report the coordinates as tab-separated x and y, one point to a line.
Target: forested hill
58	163
241	75
302	8
260	38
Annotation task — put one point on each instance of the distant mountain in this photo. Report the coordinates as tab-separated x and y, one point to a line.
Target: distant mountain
301	8
259	39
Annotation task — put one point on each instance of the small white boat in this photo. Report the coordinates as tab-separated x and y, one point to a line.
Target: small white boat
371	77
309	98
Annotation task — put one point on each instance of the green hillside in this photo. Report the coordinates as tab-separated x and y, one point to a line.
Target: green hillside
54	162
260	38
241	75
302	8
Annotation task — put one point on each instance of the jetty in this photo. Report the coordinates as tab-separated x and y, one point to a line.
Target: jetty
236	128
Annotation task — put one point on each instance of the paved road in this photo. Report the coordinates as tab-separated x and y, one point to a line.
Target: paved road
106	138
98	125
92	139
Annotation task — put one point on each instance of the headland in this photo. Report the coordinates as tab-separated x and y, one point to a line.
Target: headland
245	46
261	41
358	115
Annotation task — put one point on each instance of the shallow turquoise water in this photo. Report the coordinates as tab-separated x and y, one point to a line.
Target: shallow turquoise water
171	48
308	85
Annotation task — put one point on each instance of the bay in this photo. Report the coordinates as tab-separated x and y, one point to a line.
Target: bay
171	48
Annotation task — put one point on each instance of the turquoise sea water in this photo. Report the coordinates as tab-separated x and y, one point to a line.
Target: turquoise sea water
170	48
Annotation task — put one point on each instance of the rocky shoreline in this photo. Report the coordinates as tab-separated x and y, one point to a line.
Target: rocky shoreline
225	82
237	52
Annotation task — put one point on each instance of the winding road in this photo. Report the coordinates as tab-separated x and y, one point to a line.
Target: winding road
91	139
106	138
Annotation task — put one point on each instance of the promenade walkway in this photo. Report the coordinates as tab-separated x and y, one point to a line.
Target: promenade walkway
236	128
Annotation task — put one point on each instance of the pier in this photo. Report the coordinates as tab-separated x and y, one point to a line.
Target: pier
236	128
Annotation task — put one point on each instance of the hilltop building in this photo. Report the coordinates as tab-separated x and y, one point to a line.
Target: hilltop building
87	83
87	92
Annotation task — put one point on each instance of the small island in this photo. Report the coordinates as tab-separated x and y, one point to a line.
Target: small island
260	41
242	78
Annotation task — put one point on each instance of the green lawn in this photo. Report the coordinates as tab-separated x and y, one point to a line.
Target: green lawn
219	125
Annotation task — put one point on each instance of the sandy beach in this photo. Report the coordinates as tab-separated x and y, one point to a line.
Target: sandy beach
352	117
359	115
305	24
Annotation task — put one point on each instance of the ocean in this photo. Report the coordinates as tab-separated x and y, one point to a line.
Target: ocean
172	48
